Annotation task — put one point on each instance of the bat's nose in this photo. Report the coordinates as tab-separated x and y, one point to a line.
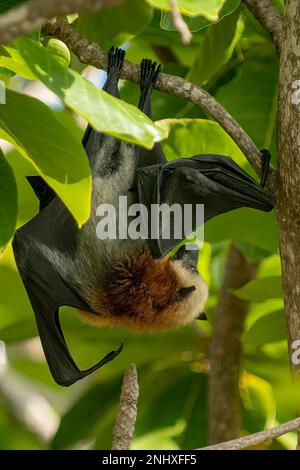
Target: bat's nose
202	316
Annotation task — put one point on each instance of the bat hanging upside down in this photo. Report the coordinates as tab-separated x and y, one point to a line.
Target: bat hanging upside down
131	282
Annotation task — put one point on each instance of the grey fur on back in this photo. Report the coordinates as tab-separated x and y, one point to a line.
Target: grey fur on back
113	164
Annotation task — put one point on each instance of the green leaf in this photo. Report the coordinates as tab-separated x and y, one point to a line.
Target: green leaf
115	25
187	405
251	98
54	151
15	63
197	23
208	8
217	48
59	50
12	59
8	201
188	137
8	4
271	266
104	112
261	289
160	439
268	329
94	409
258	403
248	225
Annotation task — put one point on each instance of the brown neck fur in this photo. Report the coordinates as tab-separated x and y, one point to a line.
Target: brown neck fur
139	287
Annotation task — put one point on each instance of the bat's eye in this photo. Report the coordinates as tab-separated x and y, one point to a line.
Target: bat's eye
179	253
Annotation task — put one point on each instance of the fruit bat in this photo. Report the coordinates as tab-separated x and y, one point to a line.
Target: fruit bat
128	282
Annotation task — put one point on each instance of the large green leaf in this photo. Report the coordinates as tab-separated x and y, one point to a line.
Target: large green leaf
217	48
12	60
197	23
188	137
94	410
208	8
8	201
258	403
261	289
104	112
116	24
268	329
54	151
248	225
187	405
251	98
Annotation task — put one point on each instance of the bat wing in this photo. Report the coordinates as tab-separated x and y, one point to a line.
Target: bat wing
215	181
55	229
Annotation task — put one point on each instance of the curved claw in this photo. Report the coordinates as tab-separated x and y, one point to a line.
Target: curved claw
266	158
116	58
149	73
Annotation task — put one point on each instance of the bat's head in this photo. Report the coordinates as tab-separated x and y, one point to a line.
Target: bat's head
144	293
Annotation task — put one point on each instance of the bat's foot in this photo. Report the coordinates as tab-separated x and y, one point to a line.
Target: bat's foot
149	73
266	158
116	58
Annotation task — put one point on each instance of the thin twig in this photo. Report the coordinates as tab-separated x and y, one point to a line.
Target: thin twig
34	13
268	15
180	24
125	422
257	438
92	54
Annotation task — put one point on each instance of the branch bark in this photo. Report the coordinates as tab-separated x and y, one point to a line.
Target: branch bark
257	438
268	15
288	210
180	24
226	350
34	13
92	54
125	422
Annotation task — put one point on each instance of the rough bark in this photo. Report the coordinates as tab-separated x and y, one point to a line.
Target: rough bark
226	350
34	13
125	422
288	210
288	207
268	15
257	438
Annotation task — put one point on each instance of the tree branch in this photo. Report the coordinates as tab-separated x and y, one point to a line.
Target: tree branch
34	13
180	24
268	15
288	211
257	438
92	54
226	350
125	422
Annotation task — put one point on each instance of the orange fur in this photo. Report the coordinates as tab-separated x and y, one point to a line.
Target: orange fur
142	293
